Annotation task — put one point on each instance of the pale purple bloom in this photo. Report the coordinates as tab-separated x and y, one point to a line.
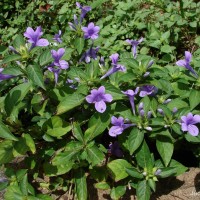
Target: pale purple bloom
56	73
118	127
57	37
98	97
34	37
13	50
91	31
134	44
186	63
58	64
57	55
167	101
116	67
115	150
157	172
147	90
90	53
131	95
84	10
187	124
4	76
73	25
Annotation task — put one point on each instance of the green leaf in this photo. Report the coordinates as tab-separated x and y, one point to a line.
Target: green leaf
24	185
118	169
130	62
134	173
56	127
81	184
102	186
5	132
70	102
134	140
13	192
18	41
71	151
180	169
178	103
166	49
29	142
6	151
95	156
97	124
143	191
77	132
15	96
167	172
192	139
97	3
115	92
165	147
79	44
143	157
34	73
45	58
194	98
11	58
44	197
117	192
12	70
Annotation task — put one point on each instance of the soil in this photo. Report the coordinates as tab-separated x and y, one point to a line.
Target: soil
183	187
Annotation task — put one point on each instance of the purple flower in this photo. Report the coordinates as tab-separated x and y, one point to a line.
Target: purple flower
57	55
57	37
73	25
186	63
90	53
4	76
131	95
34	37
115	150
98	97
147	90
116	67
187	124
118	127
84	10
91	31
134	44
57	64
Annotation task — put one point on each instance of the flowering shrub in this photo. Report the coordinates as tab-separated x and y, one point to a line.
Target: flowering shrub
75	118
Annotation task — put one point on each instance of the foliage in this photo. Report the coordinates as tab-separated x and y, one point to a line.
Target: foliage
75	113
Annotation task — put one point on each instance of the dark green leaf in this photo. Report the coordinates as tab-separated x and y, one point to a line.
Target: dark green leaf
11	58
194	98
118	169
81	184
70	102
34	73
102	186
5	132
143	191
117	192
134	173
45	58
6	151
79	44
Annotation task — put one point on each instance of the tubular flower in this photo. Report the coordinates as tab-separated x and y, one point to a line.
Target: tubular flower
90	53
116	67
134	44
84	10
147	90
98	97
57	37
131	95
186	63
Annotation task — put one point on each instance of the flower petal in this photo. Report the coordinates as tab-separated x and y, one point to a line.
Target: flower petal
100	106
193	130
188	56
115	130
42	42
90	98
63	64
184	127
108	97
181	63
196	118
